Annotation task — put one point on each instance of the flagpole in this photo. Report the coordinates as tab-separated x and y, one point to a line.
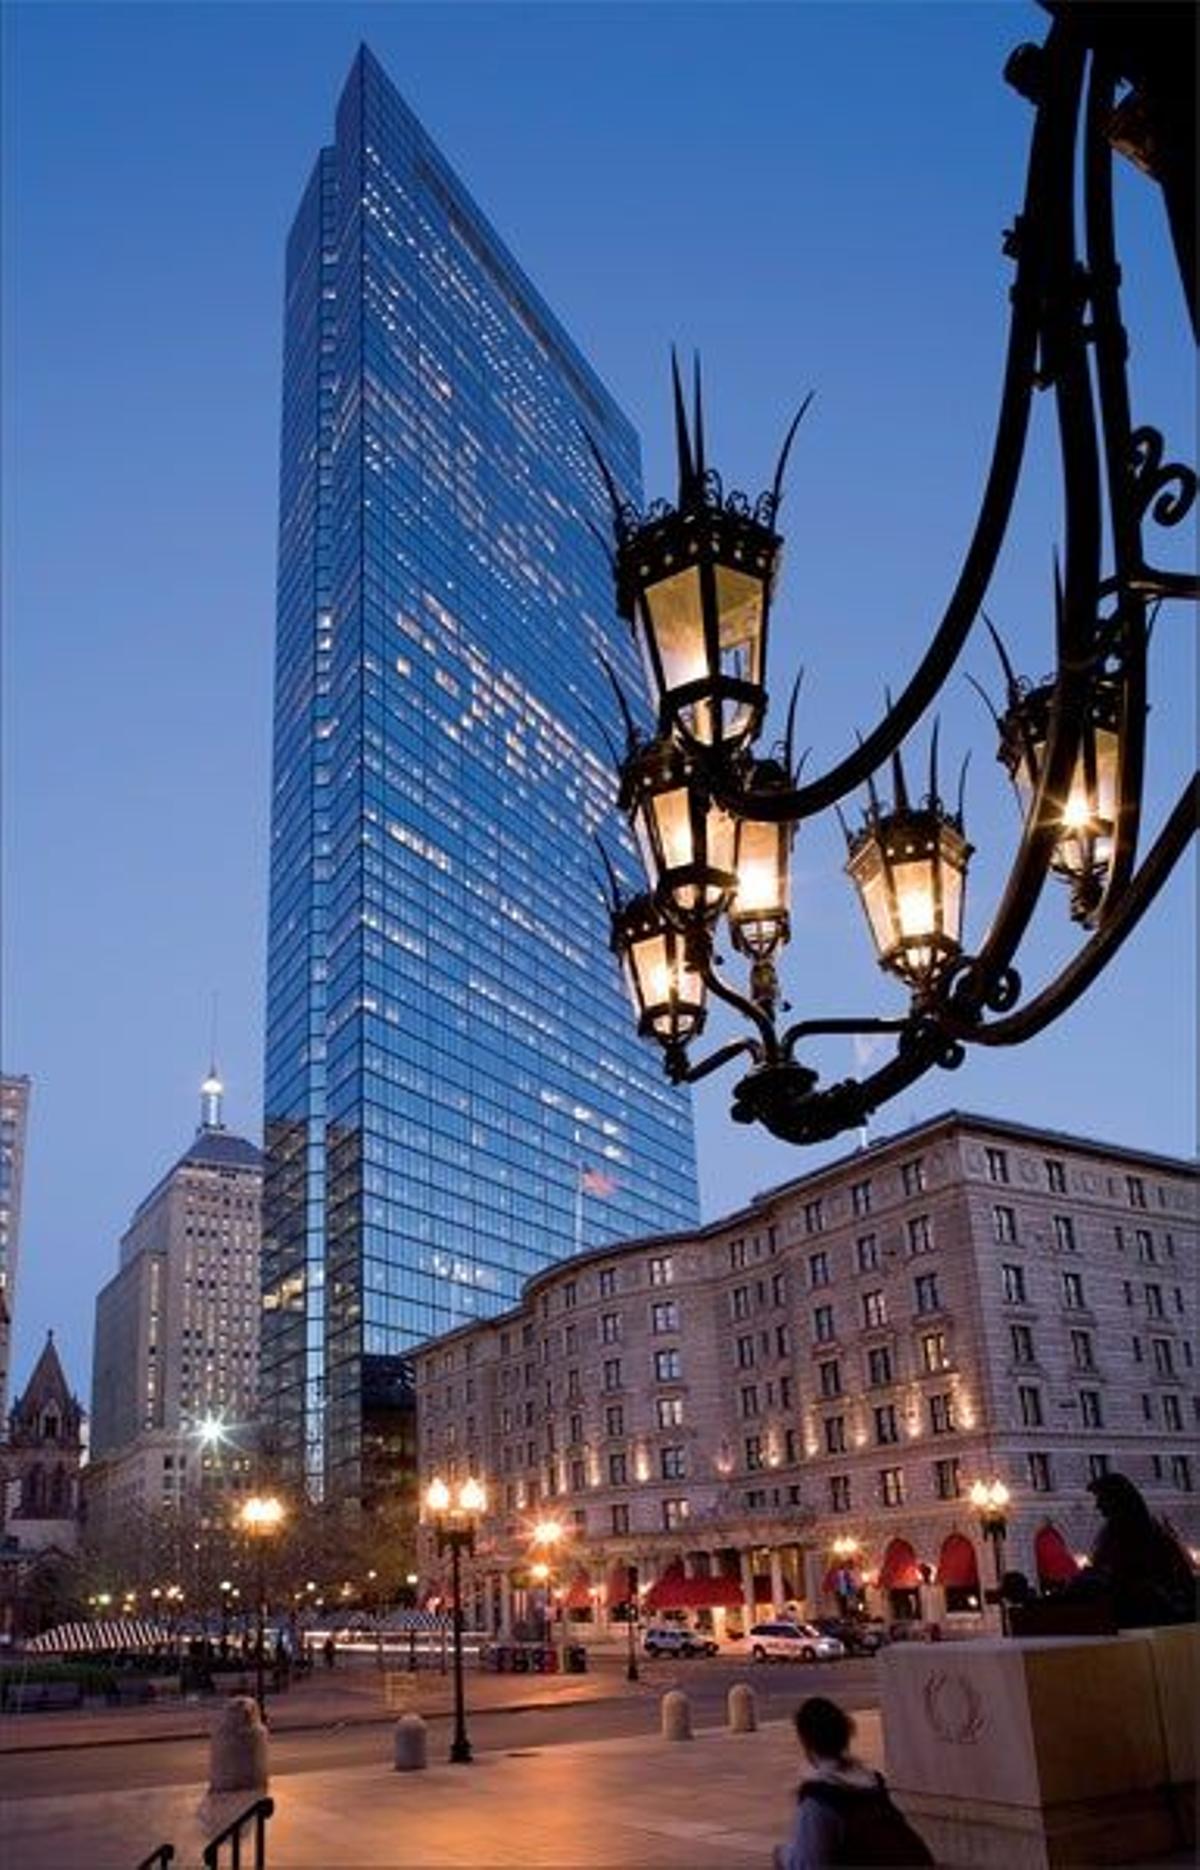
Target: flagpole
579	1207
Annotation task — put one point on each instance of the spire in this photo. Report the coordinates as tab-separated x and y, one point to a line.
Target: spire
211	1093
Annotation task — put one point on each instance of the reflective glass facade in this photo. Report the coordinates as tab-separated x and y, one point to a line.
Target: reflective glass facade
455	1096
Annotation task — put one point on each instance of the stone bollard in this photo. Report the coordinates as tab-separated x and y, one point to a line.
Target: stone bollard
676	1716
743	1713
410	1742
238	1749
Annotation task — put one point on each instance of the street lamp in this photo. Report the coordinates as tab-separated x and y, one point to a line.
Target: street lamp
260	1518
695	579
455	1517
989	1500
546	1536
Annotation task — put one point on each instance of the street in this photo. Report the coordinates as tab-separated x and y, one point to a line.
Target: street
616	1709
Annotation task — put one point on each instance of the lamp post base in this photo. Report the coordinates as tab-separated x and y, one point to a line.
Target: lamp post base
460	1753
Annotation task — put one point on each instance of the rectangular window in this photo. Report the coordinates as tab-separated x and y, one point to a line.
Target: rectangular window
618	1469
737	1254
839	1493
912	1176
1172	1412
925	1287
669	1411
749	1400
612	1373
860	1197
745	1353
662	1270
1081	1350
823	1327
1098	1466
891	1486
1056	1176
934	1353
997	1164
1012	1279
818	1269
779	1288
1136	1190
885	1424
947	1479
741	1301
829	1375
1004	1225
866	1253
783	1346
671	1463
1038	1468
1020	1338
674	1514
574	1389
570	1295
1181	1472
835	1434
1089	1409
814	1216
610	1327
1029	1401
1145	1246
941	1414
1154	1301
667	1366
874	1307
1072	1291
614	1420
664	1317
1064	1233
608	1281
754	1453
920	1234
619	1516
879	1366
578	1476
1164	1360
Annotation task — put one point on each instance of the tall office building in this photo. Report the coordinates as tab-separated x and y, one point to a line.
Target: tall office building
175	1355
14	1113
454	1096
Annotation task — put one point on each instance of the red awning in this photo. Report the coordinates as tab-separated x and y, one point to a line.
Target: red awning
899	1571
579	1593
675	1592
617	1589
957	1564
1055	1564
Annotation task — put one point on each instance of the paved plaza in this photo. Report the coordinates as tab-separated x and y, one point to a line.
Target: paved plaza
720	1800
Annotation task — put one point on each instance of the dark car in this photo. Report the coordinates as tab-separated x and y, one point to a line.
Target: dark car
858	1639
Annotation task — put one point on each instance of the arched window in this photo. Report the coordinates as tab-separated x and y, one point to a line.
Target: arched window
32	1487
958	1573
50	1425
900	1577
1055	1563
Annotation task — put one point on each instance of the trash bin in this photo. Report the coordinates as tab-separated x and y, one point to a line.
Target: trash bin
576	1659
549	1661
520	1661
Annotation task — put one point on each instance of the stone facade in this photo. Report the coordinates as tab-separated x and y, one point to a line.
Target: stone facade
796	1400
14	1114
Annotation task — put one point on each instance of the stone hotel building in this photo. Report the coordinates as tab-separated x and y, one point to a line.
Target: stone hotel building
790	1406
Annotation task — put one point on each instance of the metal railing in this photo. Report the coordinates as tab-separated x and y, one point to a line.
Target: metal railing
255	1815
158	1859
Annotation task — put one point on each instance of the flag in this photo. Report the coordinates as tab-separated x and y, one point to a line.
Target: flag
596	1182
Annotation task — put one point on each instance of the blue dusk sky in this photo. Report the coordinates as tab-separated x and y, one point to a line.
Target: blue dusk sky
813	195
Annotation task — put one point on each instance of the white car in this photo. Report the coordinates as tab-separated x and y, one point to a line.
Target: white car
671	1640
793	1642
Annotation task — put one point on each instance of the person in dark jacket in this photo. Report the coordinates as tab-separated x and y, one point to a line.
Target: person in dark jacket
1138	1560
844	1812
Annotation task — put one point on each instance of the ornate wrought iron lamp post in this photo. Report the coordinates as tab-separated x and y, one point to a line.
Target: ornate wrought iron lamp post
261	1517
695	580
455	1514
989	1500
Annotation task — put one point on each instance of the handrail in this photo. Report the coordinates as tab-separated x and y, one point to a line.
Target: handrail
158	1859
258	1813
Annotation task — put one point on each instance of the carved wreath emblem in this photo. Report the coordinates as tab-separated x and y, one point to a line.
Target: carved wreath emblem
953	1707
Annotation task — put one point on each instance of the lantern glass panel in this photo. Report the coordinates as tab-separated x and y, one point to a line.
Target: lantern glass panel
739	628
952	896
649	971
762	872
676	621
916	908
866	868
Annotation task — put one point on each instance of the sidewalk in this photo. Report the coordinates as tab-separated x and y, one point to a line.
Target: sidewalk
718	1802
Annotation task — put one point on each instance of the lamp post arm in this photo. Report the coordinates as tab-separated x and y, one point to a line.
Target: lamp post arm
817	1028
743	1005
692	1074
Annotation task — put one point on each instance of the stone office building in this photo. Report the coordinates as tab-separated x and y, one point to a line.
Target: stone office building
791	1405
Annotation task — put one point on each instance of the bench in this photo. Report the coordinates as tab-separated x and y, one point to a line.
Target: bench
27	1697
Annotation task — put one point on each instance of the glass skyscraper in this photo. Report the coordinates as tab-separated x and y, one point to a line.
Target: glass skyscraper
454	1093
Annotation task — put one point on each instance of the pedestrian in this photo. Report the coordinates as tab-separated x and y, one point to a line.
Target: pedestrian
844	1811
1137	1560
330	1651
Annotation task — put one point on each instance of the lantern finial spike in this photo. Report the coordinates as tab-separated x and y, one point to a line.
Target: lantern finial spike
962	788
1010	674
632	736
687	469
614	886
790	729
841	818
933	763
698	416
872	794
785	451
981	691
610	484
